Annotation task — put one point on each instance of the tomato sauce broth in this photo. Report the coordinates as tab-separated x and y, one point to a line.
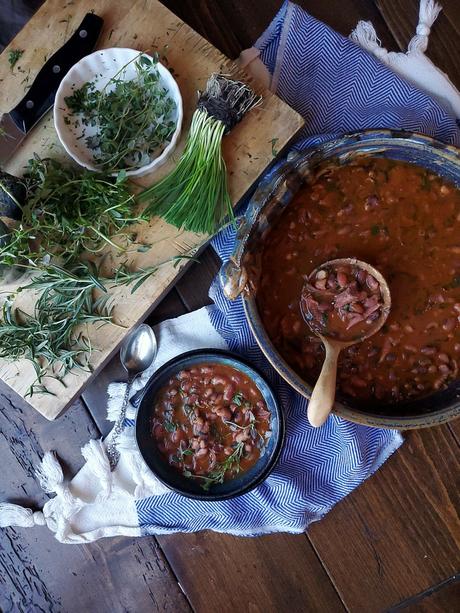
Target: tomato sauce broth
404	221
211	423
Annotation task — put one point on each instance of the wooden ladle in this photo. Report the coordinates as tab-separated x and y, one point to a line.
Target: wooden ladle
323	395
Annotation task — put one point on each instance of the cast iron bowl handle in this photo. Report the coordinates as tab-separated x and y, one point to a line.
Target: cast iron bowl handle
232	275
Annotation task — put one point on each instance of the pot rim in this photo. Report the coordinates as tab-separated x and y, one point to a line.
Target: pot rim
279	174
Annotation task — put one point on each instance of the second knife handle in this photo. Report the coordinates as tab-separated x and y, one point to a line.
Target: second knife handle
41	94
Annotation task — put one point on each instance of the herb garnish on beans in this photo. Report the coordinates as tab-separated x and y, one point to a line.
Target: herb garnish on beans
211	423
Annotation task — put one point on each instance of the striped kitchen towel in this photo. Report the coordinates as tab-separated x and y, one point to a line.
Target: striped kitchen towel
338	88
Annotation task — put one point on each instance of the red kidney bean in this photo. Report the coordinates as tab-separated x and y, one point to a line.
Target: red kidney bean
449	324
358	382
361	276
219	380
372	283
428	350
178	435
444	358
342	278
229	392
242	436
224	413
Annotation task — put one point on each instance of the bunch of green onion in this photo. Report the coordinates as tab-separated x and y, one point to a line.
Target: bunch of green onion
194	196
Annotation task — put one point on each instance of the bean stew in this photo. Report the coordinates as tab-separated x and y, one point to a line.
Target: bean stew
211	423
341	301
404	221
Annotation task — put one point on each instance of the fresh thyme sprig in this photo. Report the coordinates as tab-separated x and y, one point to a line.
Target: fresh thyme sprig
133	118
13	57
70	212
218	474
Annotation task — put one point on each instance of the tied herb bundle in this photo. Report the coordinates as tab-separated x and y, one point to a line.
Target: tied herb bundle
133	118
194	196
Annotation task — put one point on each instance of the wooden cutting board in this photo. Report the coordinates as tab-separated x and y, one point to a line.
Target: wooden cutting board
145	25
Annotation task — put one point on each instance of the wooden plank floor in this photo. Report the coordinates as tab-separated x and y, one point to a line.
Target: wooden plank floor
392	545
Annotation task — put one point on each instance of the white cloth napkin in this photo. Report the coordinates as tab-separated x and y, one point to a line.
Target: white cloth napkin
97	502
414	66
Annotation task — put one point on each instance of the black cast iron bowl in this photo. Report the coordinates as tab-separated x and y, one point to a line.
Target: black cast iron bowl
240	274
171	477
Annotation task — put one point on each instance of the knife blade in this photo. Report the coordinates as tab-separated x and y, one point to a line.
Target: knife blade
15	125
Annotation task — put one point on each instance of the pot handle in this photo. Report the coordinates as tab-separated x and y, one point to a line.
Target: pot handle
233	277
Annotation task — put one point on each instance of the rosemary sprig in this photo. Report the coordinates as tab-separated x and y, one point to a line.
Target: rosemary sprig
48	337
218	474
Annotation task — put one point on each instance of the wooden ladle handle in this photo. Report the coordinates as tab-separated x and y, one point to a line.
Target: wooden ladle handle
323	395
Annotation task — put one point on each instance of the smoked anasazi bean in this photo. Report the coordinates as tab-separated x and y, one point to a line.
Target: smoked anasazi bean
210	416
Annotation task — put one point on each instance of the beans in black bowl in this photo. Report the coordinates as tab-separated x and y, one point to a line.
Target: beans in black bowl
209	426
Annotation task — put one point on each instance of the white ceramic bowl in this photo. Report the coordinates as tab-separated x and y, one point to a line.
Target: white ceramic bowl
100	67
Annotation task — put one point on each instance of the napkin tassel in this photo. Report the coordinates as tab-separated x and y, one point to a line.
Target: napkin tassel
15	515
51	479
428	12
365	35
98	463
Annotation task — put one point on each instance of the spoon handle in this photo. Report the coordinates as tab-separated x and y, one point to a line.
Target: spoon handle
112	449
323	395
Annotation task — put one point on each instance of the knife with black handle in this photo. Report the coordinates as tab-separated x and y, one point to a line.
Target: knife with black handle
15	125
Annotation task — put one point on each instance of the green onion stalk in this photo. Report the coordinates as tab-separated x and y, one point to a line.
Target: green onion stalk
194	196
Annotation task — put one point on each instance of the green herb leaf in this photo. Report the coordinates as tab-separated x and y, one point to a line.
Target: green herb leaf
170	426
13	56
238	399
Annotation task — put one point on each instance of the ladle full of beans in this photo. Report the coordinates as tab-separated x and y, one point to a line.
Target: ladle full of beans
344	302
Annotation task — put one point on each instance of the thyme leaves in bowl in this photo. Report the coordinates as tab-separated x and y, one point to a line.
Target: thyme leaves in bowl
133	118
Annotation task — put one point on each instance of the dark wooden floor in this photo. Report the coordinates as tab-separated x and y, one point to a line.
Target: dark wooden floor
394	544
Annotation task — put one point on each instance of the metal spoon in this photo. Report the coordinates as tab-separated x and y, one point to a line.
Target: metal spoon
323	395
137	353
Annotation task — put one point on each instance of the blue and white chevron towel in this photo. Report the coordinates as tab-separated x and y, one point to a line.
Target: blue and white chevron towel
337	87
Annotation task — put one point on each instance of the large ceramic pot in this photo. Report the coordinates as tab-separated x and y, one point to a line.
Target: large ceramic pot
240	274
